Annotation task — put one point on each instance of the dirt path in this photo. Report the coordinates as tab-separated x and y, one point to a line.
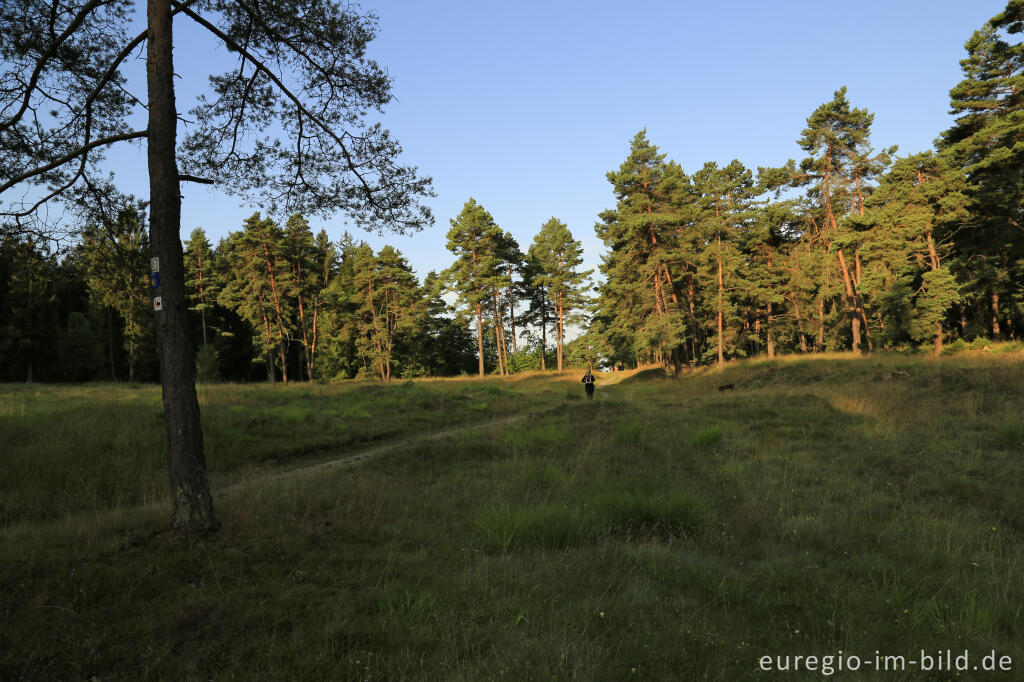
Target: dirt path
355	458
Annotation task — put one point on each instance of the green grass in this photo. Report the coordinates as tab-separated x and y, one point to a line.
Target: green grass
56	436
665	530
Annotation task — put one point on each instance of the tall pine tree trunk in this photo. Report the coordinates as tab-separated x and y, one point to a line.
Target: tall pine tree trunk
313	337
860	299
376	332
305	335
501	328
192	503
282	343
692	301
799	324
851	303
721	346
933	258
561	332
267	341
512	311
480	336
995	316
543	330
497	338
821	325
202	300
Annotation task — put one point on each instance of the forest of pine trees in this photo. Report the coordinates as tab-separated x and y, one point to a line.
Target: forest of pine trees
846	248
275	302
850	248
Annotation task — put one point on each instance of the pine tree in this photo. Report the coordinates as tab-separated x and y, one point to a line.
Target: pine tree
987	143
540	311
385	290
725	196
257	279
301	74
339	357
639	300
323	268
511	267
559	257
911	219
298	253
201	285
445	346
838	169
267	246
767	240
116	258
475	277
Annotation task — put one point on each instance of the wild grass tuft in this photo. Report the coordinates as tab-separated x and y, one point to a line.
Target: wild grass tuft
705	437
550	525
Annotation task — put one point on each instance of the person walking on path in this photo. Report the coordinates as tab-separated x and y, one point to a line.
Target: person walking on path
588	384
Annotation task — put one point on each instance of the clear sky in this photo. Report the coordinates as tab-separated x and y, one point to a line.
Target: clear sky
525	106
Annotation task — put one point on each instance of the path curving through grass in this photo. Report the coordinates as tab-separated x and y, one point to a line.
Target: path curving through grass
363	455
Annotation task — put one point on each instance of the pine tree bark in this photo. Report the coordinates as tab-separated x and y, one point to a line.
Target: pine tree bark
691	295
313	338
561	329
479	322
501	329
543	330
192	503
512	312
377	333
821	325
267	339
851	303
853	310
721	349
202	299
933	259
799	324
282	343
480	336
302	320
498	341
995	316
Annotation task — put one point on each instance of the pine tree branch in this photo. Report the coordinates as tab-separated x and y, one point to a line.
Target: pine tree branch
193	178
71	156
33	82
229	42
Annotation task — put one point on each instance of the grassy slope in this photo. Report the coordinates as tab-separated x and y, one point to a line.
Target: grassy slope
56	436
665	531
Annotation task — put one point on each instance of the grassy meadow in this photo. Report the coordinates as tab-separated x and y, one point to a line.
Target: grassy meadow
666	530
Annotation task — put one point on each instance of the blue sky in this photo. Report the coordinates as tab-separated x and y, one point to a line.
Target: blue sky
525	106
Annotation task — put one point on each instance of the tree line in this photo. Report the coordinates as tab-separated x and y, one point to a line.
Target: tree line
277	302
851	248
848	248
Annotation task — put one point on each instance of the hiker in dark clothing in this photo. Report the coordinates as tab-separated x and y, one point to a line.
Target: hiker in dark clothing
588	384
